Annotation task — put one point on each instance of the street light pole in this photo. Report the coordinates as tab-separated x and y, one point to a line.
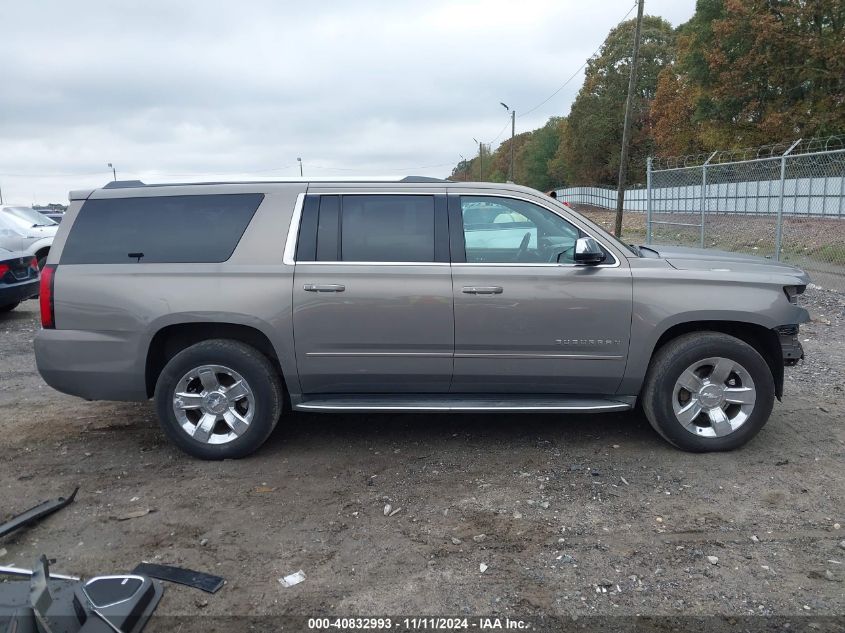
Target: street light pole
480	159
513	133
300	165
113	171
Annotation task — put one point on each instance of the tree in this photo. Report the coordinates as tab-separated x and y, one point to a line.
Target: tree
753	72
533	158
592	138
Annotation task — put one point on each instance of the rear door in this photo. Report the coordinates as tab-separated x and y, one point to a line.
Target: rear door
372	297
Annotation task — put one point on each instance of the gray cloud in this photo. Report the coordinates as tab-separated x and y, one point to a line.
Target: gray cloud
176	90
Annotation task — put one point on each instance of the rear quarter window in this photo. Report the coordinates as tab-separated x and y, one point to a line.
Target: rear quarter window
166	229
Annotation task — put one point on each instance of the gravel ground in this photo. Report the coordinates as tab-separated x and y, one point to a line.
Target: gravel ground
582	515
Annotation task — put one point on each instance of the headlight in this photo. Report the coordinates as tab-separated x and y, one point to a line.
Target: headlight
792	293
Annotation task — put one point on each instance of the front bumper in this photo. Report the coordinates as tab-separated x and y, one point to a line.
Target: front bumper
15	293
790	345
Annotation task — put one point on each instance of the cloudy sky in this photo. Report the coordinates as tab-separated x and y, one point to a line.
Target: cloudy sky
175	90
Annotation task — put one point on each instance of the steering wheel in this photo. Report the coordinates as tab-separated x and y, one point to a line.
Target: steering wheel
523	247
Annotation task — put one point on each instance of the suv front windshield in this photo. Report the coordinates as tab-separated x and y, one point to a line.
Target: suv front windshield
29	216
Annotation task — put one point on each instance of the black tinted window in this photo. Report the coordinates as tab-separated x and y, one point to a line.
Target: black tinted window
387	228
163	228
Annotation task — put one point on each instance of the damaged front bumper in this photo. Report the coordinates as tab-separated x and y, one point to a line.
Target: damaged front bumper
790	345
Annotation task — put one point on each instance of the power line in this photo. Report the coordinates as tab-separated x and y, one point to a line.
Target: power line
499	134
575	74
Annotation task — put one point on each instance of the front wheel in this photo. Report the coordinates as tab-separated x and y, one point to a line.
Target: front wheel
708	391
219	399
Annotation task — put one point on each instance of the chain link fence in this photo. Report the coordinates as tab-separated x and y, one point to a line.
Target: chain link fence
784	202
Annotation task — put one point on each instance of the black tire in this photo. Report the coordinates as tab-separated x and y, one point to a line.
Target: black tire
255	368
9	306
674	358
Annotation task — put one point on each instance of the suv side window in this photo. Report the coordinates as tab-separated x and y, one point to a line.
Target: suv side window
373	228
387	228
166	229
507	230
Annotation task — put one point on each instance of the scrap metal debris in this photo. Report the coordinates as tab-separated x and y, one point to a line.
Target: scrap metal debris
49	602
36	513
181	576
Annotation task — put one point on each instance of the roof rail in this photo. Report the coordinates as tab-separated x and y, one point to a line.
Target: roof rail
421	179
128	184
123	184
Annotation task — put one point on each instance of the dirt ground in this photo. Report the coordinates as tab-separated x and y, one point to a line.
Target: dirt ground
577	515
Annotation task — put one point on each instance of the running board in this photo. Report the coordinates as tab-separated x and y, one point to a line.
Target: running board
464	402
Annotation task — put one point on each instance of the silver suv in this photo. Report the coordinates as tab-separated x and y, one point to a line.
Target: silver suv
230	303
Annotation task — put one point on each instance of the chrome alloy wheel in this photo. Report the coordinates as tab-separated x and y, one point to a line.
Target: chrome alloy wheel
713	397
213	404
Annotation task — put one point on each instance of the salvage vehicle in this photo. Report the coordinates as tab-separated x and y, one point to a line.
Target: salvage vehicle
24	229
19	279
232	304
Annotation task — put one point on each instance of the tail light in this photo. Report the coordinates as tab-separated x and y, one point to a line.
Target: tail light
48	317
33	263
4	268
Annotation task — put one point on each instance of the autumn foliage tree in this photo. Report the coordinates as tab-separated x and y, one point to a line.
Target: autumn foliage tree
739	73
752	72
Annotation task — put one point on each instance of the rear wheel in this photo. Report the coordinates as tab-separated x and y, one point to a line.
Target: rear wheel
219	399
9	306
708	391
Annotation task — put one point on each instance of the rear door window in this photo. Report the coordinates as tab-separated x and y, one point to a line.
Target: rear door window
387	228
159	229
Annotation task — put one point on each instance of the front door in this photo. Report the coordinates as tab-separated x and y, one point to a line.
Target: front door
372	294
527	319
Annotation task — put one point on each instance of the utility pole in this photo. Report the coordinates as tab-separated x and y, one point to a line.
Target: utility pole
1	195
113	171
300	165
480	159
626	126
513	131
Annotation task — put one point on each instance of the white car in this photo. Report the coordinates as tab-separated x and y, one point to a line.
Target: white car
24	229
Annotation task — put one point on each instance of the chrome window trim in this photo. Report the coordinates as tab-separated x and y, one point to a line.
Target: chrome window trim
346	263
513	196
293	231
296	220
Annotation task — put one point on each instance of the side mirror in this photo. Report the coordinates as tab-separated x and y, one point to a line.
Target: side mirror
588	252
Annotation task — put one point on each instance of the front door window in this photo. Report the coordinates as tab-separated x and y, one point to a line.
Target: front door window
507	230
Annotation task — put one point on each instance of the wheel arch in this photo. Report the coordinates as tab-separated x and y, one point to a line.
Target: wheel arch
172	339
764	340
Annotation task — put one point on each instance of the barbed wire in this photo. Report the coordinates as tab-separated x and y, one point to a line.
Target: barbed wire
773	150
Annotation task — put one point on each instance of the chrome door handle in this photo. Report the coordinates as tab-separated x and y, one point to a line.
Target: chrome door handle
324	287
482	290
